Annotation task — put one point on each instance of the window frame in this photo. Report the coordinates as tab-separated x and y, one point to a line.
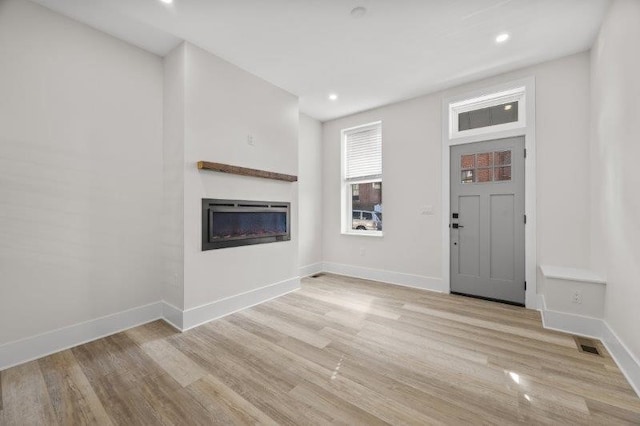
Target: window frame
517	94
346	188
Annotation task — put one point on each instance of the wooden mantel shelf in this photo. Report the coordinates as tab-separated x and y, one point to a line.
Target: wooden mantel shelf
243	171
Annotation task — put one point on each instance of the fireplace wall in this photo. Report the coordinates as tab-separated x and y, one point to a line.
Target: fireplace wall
215	106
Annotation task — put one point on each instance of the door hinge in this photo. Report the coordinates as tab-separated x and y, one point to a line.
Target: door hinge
525	286
525	219
525	153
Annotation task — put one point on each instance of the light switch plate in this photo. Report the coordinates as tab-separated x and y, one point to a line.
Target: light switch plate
426	210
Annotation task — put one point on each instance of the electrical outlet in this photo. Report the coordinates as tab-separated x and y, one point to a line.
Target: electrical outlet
577	297
362	251
250	140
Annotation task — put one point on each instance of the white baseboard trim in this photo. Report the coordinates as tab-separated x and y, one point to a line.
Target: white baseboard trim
598	329
540	306
573	324
31	348
35	347
307	271
629	364
398	278
202	314
172	315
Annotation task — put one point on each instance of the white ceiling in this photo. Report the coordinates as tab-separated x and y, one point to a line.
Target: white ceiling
398	50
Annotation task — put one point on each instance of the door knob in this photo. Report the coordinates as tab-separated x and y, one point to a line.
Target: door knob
456	226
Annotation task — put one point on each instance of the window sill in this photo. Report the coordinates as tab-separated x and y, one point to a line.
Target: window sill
377	234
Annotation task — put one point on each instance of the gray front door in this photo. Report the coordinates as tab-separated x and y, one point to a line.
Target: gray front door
487	219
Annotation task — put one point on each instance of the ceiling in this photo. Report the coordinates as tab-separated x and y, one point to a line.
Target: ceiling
399	49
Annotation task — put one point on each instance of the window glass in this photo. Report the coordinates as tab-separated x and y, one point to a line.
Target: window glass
484	175
489	116
468	161
367	209
503	173
502	158
467	176
485	167
362	177
485	159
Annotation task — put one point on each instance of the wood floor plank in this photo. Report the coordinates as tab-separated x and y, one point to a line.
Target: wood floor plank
156	330
339	351
309	319
26	399
302	369
294	330
537	334
211	391
72	396
175	363
434	378
368	383
171	403
351	304
262	385
341	411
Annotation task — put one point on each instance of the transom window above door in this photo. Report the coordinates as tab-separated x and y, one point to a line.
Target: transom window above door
487	114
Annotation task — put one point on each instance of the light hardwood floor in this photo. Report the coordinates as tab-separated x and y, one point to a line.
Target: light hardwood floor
340	350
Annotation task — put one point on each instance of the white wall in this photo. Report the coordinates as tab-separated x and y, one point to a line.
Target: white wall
172	237
412	176
411	173
223	105
80	172
310	194
614	164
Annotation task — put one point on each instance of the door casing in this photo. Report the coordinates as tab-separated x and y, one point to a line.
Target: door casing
529	133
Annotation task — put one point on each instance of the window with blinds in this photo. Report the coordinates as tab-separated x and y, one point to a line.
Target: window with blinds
362	180
363	153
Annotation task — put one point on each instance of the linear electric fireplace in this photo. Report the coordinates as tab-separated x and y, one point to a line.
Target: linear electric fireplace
233	223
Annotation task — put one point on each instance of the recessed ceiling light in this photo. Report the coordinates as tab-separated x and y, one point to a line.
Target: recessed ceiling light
507	107
501	38
358	12
167	1
333	97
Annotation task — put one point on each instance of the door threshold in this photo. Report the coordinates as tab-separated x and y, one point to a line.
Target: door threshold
490	299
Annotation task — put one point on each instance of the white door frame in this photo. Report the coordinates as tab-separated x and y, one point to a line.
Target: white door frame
529	133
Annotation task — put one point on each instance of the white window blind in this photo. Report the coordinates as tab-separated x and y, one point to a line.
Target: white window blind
364	153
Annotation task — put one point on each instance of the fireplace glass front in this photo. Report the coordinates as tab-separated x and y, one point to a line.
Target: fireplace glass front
232	223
